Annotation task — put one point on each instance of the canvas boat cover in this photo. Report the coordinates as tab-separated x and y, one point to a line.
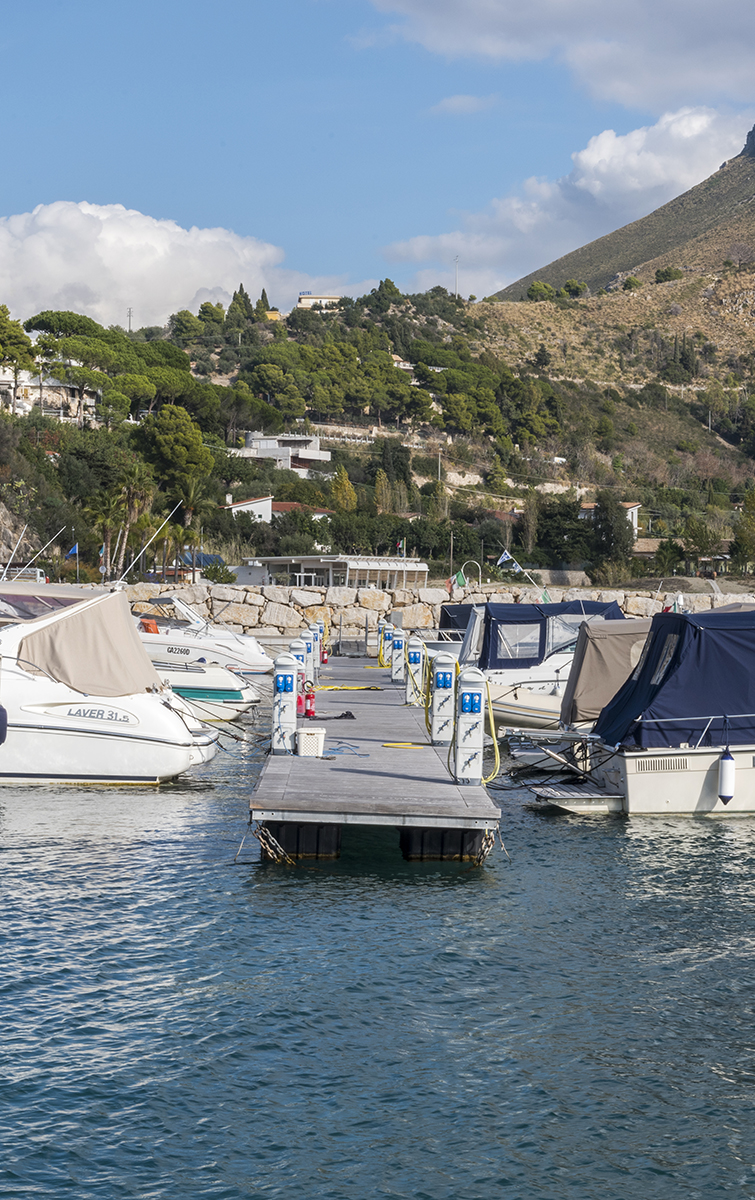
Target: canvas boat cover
607	653
26	601
524	635
93	647
695	680
455	616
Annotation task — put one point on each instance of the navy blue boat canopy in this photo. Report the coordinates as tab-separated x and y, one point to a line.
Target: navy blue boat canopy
694	683
524	635
455	616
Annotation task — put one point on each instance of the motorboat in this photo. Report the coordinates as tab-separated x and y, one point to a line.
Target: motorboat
212	693
678	737
526	651
85	705
171	630
606	654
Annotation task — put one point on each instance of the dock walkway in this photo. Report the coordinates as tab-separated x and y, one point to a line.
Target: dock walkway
361	781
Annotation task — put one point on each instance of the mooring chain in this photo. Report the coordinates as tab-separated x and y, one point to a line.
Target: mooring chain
487	844
271	845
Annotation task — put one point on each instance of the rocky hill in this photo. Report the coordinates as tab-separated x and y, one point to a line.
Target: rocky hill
694	232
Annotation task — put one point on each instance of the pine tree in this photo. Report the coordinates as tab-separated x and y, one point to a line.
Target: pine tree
264	301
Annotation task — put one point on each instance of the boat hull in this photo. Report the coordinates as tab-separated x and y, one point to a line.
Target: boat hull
670	782
43	754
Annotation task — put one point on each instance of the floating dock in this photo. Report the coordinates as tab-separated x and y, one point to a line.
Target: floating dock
360	780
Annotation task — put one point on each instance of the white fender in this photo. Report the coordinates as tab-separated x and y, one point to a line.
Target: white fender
727	771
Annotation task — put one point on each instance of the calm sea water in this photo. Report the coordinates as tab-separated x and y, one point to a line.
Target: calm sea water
577	1023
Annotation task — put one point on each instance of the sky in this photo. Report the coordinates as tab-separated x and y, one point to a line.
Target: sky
158	154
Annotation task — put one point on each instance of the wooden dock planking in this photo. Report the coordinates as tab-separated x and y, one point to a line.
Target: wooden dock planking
398	787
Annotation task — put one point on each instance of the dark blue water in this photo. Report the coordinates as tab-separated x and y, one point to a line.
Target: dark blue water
577	1023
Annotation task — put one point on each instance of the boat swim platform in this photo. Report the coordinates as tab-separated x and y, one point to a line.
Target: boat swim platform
361	781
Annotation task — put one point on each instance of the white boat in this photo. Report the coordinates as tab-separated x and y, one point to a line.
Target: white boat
84	704
212	693
521	707
678	738
526	652
172	631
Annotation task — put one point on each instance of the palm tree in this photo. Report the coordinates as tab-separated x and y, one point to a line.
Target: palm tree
195	499
137	489
106	512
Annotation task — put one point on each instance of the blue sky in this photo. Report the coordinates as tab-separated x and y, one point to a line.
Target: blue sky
328	143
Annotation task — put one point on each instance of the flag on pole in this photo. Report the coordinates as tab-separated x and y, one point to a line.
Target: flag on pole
73	552
512	564
455	581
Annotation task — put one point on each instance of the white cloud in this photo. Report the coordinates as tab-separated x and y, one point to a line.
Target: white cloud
642	53
615	180
461	106
103	259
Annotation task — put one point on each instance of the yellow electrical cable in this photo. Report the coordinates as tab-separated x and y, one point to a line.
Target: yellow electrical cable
492	734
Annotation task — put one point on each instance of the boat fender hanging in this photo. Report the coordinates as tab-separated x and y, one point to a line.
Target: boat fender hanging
727	770
3	724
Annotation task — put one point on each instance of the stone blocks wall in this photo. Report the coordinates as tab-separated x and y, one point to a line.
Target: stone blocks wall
282	610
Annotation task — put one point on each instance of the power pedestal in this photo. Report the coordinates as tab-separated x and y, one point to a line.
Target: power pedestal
442	671
284	704
469	734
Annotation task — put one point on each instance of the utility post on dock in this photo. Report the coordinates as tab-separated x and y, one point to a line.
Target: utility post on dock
380	769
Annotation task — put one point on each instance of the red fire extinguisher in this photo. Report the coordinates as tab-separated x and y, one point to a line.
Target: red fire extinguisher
309	701
301	688
324	656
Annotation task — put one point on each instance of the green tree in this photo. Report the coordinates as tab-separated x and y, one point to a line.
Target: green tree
383	492
631	283
137	486
16	349
113	408
668	555
172	442
574	288
699	539
342	491
542	358
105	510
666	274
184	326
540	291
612	531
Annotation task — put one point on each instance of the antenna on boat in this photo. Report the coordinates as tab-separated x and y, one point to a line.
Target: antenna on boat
149	543
13	555
52	539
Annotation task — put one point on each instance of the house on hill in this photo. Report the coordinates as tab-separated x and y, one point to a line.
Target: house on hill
587	511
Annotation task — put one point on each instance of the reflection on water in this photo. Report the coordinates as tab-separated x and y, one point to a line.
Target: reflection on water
578	1023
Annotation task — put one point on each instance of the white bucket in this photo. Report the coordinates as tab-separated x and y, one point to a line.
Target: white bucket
310	742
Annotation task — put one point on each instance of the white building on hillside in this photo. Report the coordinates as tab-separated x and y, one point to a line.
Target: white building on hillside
310	300
291	451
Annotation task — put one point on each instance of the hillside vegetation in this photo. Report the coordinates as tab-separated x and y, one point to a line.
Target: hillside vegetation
641	395
694	231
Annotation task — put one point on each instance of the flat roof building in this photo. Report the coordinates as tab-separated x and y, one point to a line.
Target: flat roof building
334	570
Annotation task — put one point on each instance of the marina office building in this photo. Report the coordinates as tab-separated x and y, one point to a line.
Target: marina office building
334	570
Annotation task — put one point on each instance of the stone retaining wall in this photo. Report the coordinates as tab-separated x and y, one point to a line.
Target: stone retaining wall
283	610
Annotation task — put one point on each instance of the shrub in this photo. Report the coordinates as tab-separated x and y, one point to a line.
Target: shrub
666	274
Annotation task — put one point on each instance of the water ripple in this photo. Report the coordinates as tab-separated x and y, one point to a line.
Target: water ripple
578	1023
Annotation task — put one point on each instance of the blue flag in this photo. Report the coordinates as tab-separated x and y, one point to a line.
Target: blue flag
509	559
72	553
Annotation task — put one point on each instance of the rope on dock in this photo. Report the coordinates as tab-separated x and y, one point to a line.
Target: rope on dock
347	687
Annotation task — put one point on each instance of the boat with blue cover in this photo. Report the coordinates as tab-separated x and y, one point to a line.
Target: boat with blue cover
679	736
